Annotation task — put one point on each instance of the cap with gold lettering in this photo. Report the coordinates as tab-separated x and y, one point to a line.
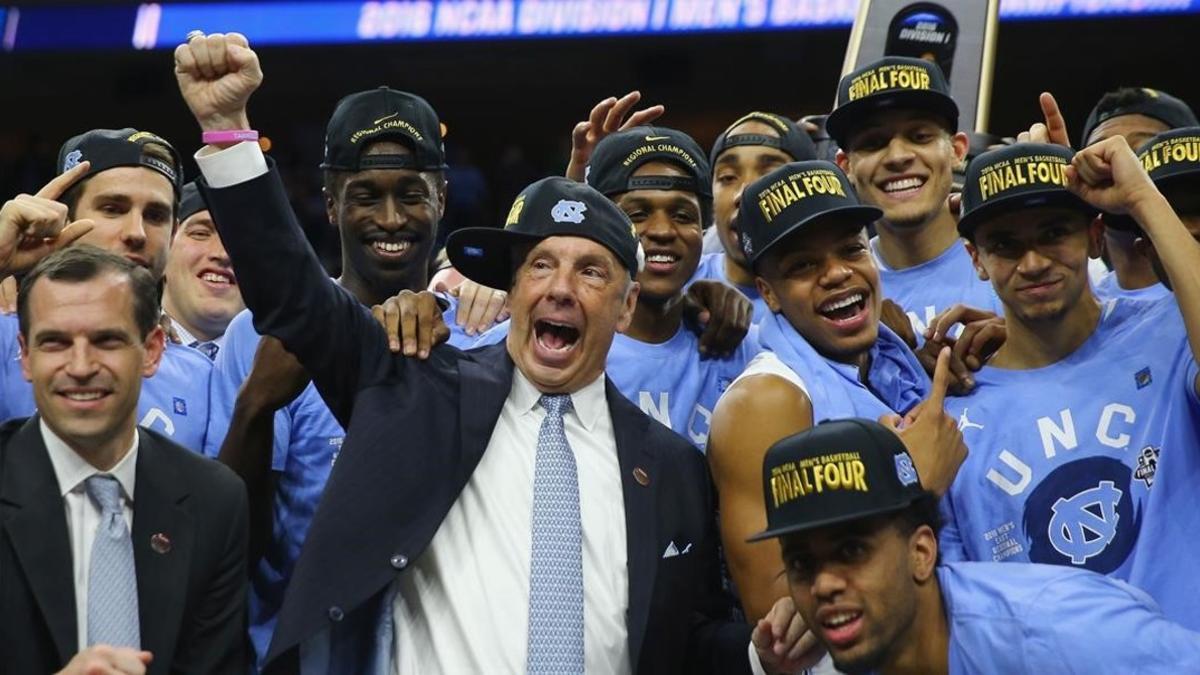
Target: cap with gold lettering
837	471
112	148
383	114
796	195
891	83
1172	159
1018	176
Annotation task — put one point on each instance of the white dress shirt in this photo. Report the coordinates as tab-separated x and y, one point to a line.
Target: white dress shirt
83	516
186	338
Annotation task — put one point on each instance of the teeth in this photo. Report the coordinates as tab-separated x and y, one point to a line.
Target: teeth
902	184
661	258
846	302
215	278
841	619
83	395
392	247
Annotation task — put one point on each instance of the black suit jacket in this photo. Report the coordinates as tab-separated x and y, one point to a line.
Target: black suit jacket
191	599
416	431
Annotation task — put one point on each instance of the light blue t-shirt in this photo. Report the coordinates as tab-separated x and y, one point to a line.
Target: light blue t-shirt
928	289
307	439
174	401
1040	619
1108	287
1063	458
712	266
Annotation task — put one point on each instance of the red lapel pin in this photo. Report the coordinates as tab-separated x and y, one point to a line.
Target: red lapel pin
160	543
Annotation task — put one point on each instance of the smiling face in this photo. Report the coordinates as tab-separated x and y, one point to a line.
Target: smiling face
201	291
903	162
1037	260
855	585
668	224
568	297
134	211
734	169
86	358
824	281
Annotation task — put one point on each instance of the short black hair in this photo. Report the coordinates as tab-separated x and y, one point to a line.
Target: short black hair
1122	98
923	511
83	262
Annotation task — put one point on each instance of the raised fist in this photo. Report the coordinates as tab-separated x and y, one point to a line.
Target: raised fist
216	75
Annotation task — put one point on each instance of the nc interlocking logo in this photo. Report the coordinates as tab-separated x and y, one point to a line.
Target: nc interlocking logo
72	160
568	211
1083	525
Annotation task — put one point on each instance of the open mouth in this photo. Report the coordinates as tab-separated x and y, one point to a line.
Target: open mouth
842	628
662	262
555	337
84	397
389	249
902	187
844	309
217	277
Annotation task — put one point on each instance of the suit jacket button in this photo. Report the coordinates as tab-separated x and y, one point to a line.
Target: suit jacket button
336	614
399	561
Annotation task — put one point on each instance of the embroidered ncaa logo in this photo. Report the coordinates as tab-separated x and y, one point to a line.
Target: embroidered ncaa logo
72	160
747	246
1083	515
1147	465
568	211
180	406
905	471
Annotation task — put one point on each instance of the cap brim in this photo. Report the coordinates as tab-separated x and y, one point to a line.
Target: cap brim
999	206
484	254
868	215
833	520
843	119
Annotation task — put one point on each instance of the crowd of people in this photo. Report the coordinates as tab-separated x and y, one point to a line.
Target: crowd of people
763	409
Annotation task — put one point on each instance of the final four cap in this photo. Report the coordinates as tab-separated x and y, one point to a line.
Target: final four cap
837	471
111	148
192	202
1157	104
1019	176
796	195
891	83
383	114
1173	157
616	157
554	206
790	138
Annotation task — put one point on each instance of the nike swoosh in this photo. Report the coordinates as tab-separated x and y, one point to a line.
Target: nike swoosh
382	119
657	138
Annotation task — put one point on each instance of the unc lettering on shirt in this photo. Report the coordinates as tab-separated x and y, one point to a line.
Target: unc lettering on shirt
1162	153
840	471
659	147
1003	176
883	78
787	191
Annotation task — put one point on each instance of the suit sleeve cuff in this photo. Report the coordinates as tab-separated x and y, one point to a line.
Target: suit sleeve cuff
230	166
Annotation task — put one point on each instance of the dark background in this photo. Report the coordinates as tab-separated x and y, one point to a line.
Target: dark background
510	105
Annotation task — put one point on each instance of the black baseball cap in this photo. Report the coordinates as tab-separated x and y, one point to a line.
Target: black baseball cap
383	114
192	201
1172	160
795	195
891	83
791	139
1157	104
1018	176
554	206
111	148
617	156
837	471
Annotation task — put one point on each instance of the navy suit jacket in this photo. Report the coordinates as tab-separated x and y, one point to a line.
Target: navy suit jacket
416	430
191	598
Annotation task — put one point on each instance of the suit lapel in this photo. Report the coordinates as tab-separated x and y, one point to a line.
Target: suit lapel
38	532
484	383
639	484
163	539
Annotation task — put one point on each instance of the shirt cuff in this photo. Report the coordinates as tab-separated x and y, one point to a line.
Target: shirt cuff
756	666
233	165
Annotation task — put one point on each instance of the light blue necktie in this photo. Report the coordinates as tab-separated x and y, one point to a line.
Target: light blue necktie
209	349
112	612
556	566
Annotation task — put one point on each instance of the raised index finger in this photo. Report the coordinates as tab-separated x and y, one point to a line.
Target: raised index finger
941	380
63	182
1056	125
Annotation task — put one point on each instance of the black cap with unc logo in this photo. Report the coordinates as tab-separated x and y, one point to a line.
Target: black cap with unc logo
554	206
112	148
383	114
891	83
1019	176
790	138
837	471
796	195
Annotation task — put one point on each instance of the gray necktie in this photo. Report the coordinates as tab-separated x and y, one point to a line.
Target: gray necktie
112	612
209	349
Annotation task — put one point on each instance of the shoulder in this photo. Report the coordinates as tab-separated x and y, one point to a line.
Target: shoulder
766	363
184	359
241	330
208	478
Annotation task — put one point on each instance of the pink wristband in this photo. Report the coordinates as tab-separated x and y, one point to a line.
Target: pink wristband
231	136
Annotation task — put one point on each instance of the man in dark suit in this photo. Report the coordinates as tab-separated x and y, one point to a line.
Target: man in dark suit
499	510
119	550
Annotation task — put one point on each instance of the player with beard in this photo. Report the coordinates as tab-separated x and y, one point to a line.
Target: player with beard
1075	413
803	230
859	538
120	189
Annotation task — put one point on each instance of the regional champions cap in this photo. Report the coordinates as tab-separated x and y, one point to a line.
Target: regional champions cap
1157	104
796	195
617	156
383	114
112	148
790	138
1019	176
837	471
554	206
891	83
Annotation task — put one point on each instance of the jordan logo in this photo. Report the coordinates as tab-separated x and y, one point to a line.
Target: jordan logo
964	423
